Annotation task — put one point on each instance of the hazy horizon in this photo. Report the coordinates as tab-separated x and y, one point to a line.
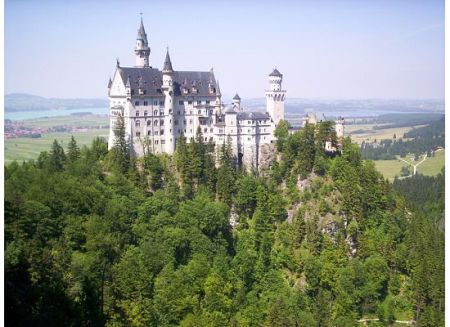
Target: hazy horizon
346	50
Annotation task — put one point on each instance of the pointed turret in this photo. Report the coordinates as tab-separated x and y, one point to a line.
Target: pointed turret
141	32
167	64
237	97
128	84
142	50
109	83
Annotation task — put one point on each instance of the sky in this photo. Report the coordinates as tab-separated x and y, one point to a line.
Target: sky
347	49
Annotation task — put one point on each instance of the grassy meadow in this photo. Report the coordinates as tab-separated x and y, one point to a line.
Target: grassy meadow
430	167
21	149
365	132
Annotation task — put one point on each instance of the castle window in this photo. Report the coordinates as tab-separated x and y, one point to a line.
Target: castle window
156	142
180	102
211	130
155	123
205	130
145	113
184	122
163	141
207	102
136	103
155	113
149	122
176	121
185	90
149	132
161	103
138	123
249	139
145	103
155	102
206	139
190	121
156	132
249	130
132	92
161	122
199	112
137	113
189	102
199	102
161	132
138	134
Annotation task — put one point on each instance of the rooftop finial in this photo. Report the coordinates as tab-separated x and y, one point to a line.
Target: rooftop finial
117	63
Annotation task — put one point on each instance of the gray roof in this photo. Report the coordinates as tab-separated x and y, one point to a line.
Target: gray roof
276	73
245	115
236	97
150	80
167	63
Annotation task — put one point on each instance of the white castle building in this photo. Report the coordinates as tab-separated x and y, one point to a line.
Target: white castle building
160	106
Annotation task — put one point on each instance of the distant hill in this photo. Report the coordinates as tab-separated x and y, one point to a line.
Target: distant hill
25	102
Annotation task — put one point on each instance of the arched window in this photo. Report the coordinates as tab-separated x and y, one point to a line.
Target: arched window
155	123
138	123
149	122
137	113
145	113
155	113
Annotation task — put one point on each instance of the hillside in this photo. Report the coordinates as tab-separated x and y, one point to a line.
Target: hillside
97	238
23	102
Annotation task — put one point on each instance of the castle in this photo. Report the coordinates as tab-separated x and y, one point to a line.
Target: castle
160	106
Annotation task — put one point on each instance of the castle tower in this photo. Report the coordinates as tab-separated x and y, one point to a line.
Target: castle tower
142	50
339	127
275	97
167	88
236	103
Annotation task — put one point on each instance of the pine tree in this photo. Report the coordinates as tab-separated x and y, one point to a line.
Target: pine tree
225	174
121	147
73	151
57	157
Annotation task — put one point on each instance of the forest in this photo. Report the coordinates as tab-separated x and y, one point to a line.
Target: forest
417	141
99	238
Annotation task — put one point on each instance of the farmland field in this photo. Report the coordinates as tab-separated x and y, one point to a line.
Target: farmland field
20	149
430	167
365	132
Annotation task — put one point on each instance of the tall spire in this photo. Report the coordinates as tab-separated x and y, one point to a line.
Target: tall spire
217	88
142	50
141	31
167	63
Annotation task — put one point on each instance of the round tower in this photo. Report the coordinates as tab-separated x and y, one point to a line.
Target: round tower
275	96
167	88
339	127
142	50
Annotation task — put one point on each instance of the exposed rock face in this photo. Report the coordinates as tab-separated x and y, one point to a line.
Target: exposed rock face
266	155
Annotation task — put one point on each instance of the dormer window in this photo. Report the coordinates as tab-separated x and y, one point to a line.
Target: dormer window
185	90
194	90
137	113
141	91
